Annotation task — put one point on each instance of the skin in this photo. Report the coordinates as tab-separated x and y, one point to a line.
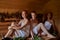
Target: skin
51	21
34	20
17	27
24	18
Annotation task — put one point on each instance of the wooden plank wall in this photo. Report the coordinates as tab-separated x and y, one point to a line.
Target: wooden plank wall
38	5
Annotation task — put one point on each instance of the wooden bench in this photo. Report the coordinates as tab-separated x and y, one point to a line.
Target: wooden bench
4	27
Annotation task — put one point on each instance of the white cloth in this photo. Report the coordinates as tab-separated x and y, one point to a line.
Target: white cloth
20	33
47	25
37	28
23	32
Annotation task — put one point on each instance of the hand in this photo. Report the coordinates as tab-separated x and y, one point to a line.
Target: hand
10	27
31	38
14	27
39	35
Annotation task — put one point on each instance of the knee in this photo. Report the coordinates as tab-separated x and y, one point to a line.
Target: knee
9	28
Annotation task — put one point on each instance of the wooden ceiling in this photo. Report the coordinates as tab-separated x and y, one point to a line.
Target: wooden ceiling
38	5
15	5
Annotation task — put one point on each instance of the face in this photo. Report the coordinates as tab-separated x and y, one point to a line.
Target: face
23	14
33	15
49	15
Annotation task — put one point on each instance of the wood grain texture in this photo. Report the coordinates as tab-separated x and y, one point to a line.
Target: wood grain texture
41	6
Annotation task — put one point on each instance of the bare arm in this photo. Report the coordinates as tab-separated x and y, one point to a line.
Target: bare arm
54	26
31	29
20	27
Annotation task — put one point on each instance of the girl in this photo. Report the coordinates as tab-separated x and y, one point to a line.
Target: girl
36	26
50	24
22	30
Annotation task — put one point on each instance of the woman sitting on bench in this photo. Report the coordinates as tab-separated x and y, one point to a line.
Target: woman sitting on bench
23	28
36	26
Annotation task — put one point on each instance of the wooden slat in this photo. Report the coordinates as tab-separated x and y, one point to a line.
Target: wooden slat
4	27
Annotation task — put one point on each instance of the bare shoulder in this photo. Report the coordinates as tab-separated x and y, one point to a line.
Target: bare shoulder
52	21
30	19
27	20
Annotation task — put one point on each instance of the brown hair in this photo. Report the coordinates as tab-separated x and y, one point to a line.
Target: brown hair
51	14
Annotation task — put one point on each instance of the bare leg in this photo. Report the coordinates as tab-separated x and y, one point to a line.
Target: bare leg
9	32
44	30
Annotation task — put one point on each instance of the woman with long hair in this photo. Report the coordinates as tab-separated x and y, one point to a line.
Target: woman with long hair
22	28
23	24
50	24
36	26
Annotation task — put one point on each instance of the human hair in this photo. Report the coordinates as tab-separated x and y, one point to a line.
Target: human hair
34	13
26	13
51	15
39	17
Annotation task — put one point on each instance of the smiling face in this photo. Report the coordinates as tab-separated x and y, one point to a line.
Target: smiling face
33	15
24	14
48	15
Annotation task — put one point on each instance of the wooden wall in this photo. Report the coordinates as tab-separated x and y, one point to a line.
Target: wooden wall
38	5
